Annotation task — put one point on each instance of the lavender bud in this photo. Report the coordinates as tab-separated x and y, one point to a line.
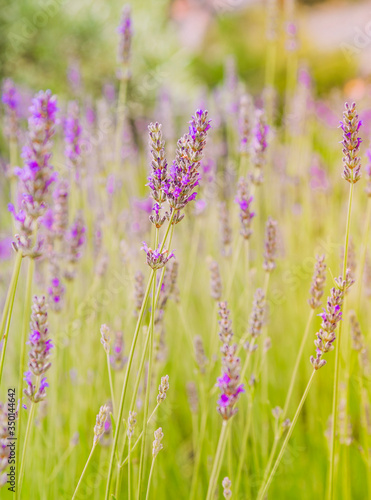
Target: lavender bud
318	282
227	483
257	315
60	209
157	446
351	142
158	180
99	424
192	396
225	332
155	258
228	383
132	420
105	338
270	245
162	389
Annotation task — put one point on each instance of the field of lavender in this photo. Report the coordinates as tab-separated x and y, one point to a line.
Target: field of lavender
185	281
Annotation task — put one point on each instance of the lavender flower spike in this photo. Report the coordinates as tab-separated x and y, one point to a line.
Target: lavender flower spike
158	179
155	258
73	137
184	173
10	99
39	354
330	319
75	241
37	174
245	124
270	245
350	126
126	33
259	147
246	215
228	383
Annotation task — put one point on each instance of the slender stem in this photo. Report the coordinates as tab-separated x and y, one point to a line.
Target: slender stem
148	389
25	327
60	463
111	385
200	442
83	472
150	477
8	309
129	470
130	362
337	357
125	384
366	233
265	486
139	437
218	460
26	439
297	364
245	438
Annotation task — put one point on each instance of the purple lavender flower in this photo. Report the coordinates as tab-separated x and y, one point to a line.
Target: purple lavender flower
229	382
10	99
56	291
125	30
59	215
184	172
259	147
246	215
117	357
155	258
75	242
351	142
158	180
37	174
73	138
39	353
330	319
245	124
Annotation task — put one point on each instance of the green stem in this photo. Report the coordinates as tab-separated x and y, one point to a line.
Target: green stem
25	328
129	471
366	233
241	460
265	486
83	472
125	384
218	460
148	389
25	444
337	358
111	385
150	477
8	309
200	442
130	362
297	364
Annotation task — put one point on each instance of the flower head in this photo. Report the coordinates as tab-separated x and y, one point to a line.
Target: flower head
351	142
156	259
